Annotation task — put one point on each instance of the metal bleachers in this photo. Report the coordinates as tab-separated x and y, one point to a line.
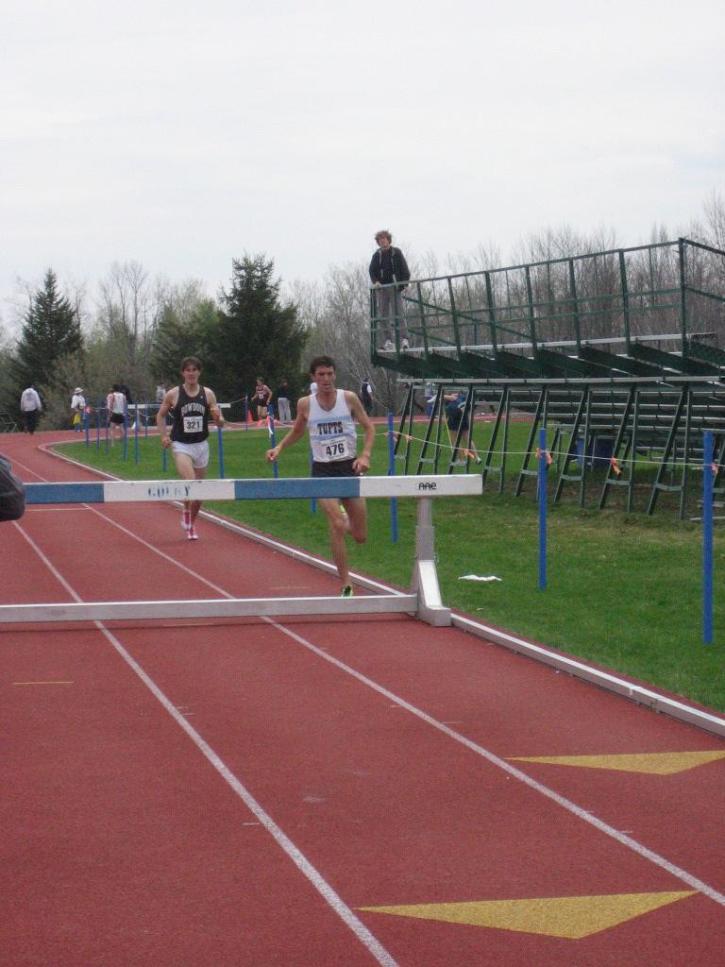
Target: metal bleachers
621	354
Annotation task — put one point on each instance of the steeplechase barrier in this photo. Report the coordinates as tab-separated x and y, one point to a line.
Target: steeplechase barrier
423	600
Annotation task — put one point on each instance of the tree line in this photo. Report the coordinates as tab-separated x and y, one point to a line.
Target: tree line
141	332
140	328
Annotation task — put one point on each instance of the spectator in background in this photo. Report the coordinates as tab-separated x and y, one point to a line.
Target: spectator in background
78	406
457	419
429	393
366	395
30	407
389	275
282	399
116	406
129	402
260	400
12	493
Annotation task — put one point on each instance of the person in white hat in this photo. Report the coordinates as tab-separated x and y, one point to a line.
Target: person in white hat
78	406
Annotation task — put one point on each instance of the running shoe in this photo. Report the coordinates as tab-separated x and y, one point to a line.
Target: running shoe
347	591
186	520
405	344
191	534
389	345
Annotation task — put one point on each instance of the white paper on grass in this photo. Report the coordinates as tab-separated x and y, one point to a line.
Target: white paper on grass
478	577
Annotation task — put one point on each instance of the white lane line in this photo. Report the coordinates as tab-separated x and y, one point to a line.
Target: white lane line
512	771
624	840
18	463
332	898
335	901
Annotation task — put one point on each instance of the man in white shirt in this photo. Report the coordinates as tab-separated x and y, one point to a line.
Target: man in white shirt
30	407
78	407
116	407
330	415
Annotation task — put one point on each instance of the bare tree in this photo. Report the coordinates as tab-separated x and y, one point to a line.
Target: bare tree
715	220
127	311
337	313
127	307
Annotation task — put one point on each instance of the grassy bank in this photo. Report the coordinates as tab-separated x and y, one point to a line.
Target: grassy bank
623	591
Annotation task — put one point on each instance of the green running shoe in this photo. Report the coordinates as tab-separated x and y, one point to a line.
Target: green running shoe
347	591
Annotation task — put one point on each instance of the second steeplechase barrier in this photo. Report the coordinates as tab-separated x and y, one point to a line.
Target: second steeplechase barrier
423	600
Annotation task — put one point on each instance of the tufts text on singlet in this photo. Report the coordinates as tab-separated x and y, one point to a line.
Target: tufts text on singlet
332	432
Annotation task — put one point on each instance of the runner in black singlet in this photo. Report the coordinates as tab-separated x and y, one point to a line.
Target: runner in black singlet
190	405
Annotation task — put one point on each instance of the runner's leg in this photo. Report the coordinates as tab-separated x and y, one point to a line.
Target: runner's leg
185	469
339	525
357	518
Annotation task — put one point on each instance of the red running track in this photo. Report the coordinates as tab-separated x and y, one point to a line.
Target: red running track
243	793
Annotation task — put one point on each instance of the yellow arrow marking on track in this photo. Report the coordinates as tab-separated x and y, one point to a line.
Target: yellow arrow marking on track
654	763
568	917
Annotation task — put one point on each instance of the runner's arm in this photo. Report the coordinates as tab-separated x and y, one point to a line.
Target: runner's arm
214	409
297	431
167	405
362	462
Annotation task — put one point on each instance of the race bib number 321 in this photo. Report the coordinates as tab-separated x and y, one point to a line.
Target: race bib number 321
193	424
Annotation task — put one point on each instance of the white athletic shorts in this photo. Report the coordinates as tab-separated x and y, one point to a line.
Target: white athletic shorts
199	452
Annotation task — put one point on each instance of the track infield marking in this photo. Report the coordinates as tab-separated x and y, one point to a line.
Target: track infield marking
569	918
622	838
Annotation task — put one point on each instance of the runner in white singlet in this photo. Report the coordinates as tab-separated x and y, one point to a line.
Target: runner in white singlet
330	415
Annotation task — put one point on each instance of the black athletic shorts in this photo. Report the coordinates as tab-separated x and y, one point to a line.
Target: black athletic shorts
335	468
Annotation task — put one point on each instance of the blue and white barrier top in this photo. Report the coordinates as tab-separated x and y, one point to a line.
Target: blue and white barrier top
294	488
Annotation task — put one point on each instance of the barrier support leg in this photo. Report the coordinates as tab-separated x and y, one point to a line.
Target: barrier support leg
425	577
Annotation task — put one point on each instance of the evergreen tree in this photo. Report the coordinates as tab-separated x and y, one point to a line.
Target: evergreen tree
255	334
51	331
178	334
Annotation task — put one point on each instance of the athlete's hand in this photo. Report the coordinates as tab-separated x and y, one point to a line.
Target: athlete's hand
273	454
165	441
361	464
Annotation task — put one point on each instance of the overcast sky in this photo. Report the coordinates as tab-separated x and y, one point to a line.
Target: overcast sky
183	134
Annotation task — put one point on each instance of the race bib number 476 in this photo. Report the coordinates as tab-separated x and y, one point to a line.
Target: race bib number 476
336	448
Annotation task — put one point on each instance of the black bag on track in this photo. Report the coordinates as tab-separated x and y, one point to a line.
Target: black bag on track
12	493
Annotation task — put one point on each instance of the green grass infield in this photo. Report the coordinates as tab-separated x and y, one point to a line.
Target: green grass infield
624	590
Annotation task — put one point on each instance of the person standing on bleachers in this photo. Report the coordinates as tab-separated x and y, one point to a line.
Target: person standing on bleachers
389	274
